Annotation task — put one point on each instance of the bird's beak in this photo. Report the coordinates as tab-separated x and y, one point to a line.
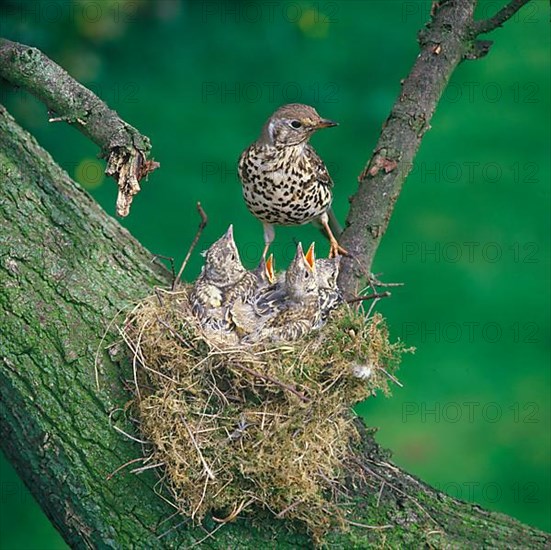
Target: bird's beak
270	268
310	257
229	232
326	123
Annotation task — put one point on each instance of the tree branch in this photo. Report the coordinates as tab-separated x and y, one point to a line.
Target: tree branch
445	41
122	145
505	13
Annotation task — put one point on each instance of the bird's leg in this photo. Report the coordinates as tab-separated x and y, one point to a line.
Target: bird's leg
269	235
335	248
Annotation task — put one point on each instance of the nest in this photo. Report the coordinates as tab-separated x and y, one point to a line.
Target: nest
260	426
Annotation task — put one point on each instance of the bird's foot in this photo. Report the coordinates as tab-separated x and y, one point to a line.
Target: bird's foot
337	250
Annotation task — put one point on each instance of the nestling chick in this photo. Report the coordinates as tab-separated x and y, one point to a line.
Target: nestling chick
330	296
243	313
289	310
222	270
251	283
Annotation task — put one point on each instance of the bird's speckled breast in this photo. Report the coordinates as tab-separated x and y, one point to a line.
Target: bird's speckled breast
284	186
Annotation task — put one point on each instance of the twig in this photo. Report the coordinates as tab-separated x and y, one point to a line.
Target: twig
121	431
122	466
201	457
237	509
135	360
173	528
203	494
380	494
126	434
393	378
370	310
374	296
375	282
202	225
275	381
363	525
368	470
487	25
169	259
281	514
144	468
209	534
179	337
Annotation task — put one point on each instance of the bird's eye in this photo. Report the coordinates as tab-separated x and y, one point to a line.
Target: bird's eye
296	124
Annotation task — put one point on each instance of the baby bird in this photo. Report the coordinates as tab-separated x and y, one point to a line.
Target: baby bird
242	312
222	271
288	310
251	282
330	295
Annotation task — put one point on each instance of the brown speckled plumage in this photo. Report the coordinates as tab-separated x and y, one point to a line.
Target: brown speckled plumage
287	310
213	288
330	296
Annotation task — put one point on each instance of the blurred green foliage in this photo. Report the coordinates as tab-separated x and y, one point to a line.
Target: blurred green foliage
469	236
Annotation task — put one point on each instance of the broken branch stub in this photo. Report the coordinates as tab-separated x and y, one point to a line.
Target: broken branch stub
124	148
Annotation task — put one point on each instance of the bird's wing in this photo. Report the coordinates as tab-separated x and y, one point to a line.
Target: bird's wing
321	172
243	316
288	325
271	300
205	296
242	164
244	288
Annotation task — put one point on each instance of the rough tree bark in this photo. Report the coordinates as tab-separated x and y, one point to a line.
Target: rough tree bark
66	271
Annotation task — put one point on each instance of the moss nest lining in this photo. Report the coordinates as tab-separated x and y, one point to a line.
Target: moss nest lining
244	427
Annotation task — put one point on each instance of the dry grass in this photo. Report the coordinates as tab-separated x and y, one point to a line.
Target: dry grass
239	427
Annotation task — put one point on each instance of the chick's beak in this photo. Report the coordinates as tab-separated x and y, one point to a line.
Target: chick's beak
310	257
270	269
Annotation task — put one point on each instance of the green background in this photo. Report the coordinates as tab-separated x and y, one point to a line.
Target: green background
469	235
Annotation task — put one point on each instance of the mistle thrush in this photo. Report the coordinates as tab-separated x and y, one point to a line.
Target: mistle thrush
242	311
284	180
212	290
330	296
289	309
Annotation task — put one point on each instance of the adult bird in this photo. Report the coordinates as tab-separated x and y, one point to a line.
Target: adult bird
284	180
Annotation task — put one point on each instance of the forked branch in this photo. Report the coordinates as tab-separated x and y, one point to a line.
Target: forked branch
447	39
